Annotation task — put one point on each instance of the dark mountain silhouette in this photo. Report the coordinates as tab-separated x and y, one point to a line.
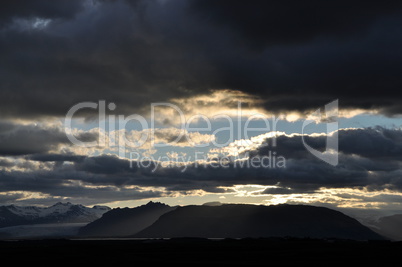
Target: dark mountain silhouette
13	215
389	226
124	222
240	221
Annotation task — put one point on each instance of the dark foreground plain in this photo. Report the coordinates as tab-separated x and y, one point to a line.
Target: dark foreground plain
202	252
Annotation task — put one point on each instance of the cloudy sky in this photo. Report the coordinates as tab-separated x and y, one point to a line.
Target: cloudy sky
121	102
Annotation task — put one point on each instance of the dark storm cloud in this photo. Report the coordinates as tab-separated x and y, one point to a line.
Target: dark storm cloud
278	190
55	157
293	55
376	143
277	22
17	139
6	163
315	50
15	9
104	165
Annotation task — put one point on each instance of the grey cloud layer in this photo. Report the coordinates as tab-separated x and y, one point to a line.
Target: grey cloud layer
293	55
372	143
17	139
17	9
361	166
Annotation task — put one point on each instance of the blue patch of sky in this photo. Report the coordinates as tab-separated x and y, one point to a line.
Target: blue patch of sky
226	131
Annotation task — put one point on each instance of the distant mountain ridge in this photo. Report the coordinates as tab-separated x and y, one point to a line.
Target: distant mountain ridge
127	221
13	215
242	220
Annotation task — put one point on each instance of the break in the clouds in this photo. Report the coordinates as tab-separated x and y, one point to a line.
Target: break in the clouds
292	55
98	178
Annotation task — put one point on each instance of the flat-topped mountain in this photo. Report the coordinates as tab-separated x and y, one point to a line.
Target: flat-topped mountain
240	221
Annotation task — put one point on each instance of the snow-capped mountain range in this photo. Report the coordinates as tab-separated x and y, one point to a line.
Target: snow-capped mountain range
12	215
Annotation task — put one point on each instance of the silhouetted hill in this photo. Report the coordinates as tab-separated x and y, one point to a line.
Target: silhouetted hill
240	221
124	222
389	226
